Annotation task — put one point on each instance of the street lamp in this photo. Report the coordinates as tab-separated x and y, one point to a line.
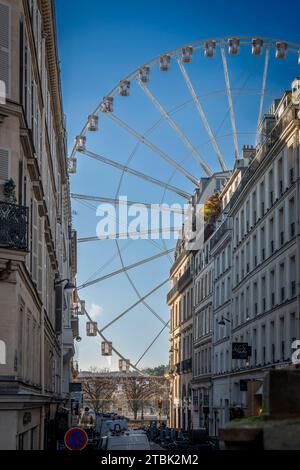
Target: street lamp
69	286
222	321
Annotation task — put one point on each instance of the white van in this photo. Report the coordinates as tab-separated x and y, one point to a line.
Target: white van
126	441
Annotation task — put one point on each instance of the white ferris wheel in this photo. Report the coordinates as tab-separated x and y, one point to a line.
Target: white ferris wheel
178	118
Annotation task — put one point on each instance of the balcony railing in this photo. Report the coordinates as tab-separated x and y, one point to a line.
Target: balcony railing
184	279
186	365
13	226
221	230
182	282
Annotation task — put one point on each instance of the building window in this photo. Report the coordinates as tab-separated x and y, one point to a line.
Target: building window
292	216
263	342
247	216
262	242
271	189
282	336
242	224
263	293
272	287
262	199
254	251
236	231
293	276
291	164
254	211
292	327
5	47
282	282
254	346
281	226
255	298
280	177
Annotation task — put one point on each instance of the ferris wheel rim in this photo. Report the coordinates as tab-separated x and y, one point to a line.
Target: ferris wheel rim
175	53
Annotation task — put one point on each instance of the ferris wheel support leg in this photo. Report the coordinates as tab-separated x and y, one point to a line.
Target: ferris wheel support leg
202	115
231	109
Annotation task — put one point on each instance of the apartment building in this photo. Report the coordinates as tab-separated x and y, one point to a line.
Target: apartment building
220	251
202	337
37	245
184	399
180	300
253	255
261	313
265	215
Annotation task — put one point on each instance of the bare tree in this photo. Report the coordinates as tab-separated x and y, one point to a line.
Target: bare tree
98	390
138	390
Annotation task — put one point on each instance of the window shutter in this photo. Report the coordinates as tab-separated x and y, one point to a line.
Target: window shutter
58	308
4	165
28	85
4	45
34	241
39	39
40	256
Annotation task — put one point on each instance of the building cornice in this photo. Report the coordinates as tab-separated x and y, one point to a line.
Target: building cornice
49	29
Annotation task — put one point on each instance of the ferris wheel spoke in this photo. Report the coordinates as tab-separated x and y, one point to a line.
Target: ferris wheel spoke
126	268
124	235
202	115
120	201
179	132
156	288
155	149
135	288
152	343
231	109
263	90
106	340
139	174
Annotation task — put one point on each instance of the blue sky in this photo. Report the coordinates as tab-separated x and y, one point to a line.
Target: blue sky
100	42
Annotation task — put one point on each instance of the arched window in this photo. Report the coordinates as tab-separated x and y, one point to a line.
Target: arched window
2	352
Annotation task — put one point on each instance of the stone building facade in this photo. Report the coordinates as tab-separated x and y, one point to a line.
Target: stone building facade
253	255
37	244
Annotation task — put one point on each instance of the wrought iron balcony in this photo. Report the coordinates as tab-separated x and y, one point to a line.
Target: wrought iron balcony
184	280
221	230
180	285
13	226
186	365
